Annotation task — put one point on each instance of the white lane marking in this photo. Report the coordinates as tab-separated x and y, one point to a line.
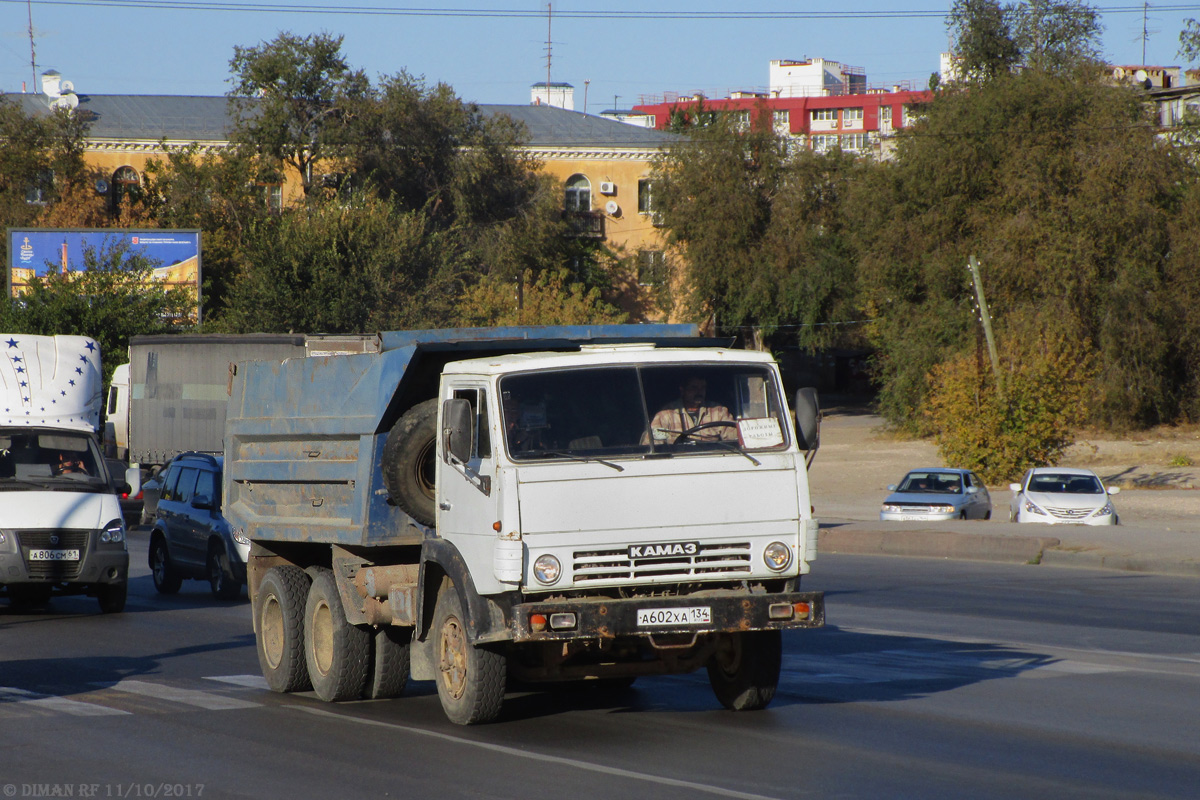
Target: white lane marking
191	697
891	666
244	681
55	703
699	788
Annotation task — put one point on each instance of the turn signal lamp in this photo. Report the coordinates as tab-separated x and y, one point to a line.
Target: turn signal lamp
537	622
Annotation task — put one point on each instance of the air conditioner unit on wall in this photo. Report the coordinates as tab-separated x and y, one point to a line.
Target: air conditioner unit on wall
608	187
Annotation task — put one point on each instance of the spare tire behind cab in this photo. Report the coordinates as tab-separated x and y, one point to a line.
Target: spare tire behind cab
409	465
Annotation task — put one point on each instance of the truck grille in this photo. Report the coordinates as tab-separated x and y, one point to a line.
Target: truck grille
712	561
67	540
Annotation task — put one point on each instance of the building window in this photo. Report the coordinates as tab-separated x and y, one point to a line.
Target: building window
740	120
855	142
781	121
823	143
125	183
273	196
578	193
824	115
885	115
651	268
852	116
39	192
645	196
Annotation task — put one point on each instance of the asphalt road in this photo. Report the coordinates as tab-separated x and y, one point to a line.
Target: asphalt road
934	679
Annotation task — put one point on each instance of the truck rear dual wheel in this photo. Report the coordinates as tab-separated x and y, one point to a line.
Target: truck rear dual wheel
279	620
471	680
391	649
337	653
409	461
744	672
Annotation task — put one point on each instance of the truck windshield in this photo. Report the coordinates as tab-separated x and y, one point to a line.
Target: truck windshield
606	412
58	457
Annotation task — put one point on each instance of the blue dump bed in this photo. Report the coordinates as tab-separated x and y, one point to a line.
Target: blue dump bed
304	436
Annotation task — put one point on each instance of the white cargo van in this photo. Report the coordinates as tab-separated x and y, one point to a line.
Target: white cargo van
61	529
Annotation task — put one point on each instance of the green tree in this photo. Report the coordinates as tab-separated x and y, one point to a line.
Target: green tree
223	195
1065	194
41	161
761	231
550	299
982	39
1047	383
111	298
349	268
289	97
1057	36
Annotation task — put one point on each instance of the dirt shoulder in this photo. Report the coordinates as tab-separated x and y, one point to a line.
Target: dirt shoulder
859	458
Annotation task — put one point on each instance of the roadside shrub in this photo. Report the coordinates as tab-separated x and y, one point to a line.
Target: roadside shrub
1045	397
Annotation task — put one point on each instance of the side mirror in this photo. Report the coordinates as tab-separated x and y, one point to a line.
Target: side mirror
133	477
203	502
458	429
972	490
1015	488
808	419
1114	489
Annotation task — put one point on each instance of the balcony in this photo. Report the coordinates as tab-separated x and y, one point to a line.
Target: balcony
585	224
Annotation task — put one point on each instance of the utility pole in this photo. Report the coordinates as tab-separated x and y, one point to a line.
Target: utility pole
986	319
1145	32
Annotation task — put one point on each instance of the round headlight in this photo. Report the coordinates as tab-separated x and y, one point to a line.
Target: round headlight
547	569
114	532
778	556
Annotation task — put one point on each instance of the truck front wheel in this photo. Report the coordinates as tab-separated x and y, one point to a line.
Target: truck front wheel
744	671
470	679
335	650
409	462
279	620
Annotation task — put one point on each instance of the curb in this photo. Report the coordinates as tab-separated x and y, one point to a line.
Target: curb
870	540
849	540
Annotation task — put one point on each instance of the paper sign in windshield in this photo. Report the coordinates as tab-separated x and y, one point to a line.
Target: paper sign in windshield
763	432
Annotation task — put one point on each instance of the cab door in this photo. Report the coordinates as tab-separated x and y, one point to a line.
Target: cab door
467	506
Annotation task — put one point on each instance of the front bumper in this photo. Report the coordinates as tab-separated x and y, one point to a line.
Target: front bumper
610	618
97	567
922	516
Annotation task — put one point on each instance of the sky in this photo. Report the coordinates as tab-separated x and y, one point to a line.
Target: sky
616	53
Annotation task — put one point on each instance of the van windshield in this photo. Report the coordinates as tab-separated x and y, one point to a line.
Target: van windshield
52	458
606	412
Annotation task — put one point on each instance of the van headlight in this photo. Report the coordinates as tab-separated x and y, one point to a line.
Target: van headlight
777	556
547	569
113	533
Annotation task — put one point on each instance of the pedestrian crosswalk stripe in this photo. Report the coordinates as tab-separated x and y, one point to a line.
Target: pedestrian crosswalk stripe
49	702
243	681
191	697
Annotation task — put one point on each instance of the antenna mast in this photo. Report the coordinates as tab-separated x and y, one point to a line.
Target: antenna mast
1145	33
549	46
32	57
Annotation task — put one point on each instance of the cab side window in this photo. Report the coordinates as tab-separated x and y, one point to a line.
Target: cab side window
478	400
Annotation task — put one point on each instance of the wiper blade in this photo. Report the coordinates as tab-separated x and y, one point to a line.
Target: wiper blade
733	447
584	459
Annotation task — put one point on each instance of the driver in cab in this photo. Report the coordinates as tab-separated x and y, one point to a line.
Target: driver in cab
692	415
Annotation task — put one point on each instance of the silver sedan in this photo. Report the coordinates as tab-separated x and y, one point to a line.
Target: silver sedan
940	493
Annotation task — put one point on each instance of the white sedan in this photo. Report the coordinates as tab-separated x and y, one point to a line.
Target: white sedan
1062	495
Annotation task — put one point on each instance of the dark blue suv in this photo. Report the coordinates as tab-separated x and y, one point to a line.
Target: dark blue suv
190	538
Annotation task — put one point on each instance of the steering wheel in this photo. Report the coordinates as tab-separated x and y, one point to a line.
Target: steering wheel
723	423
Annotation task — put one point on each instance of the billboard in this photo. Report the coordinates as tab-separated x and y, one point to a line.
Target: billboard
41	251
